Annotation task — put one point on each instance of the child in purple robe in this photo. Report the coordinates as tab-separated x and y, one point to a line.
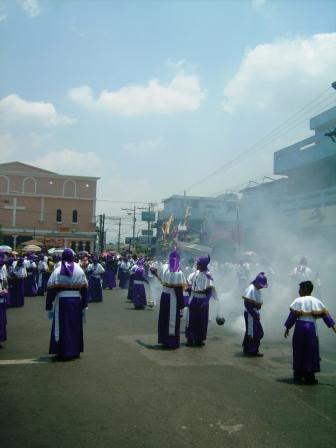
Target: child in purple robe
66	303
253	302
171	301
3	305
303	313
201	291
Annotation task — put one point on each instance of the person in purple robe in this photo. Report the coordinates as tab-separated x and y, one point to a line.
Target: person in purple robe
303	314
109	276
66	302
201	289
171	302
3	303
94	272
42	275
253	302
16	275
139	286
123	273
133	266
30	284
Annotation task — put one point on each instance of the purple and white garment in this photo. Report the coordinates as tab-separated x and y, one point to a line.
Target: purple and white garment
254	331
171	304
67	299
303	314
202	290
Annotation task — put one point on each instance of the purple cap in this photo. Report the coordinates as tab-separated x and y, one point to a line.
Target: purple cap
174	261
203	261
67	267
261	280
68	255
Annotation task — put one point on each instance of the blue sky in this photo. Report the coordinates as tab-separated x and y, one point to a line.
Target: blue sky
153	96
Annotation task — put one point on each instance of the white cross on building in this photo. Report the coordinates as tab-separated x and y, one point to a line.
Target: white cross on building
14	207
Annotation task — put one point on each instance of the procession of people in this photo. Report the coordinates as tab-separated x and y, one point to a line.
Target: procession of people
184	295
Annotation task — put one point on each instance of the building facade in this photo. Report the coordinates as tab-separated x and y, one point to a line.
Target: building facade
58	210
300	207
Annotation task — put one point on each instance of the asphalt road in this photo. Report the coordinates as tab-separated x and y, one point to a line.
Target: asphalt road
127	392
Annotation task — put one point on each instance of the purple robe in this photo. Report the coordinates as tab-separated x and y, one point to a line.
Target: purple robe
171	303
139	291
197	327
109	279
67	297
16	292
3	316
306	353
123	278
95	289
30	285
254	331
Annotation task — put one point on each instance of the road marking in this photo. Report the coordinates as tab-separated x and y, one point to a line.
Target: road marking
9	362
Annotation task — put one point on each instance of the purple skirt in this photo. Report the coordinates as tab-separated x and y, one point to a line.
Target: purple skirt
3	322
164	338
139	295
198	319
251	343
30	286
16	293
70	343
109	280
306	355
95	290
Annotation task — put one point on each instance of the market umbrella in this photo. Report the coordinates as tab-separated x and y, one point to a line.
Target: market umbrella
34	242
5	248
31	248
55	251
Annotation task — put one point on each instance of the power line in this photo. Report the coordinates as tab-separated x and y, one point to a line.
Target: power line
268	138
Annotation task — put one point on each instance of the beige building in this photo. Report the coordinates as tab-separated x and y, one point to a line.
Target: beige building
58	210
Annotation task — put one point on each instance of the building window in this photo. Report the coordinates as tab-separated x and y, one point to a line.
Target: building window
74	216
80	246
87	246
73	246
59	215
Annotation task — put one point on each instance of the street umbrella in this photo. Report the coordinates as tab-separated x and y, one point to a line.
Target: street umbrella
32	242
31	248
5	249
55	251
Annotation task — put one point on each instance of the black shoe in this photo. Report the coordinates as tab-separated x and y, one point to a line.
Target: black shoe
199	343
254	355
189	344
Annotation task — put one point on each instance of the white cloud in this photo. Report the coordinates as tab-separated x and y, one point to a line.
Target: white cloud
67	161
182	93
8	147
13	108
3	12
31	7
146	146
280	74
258	3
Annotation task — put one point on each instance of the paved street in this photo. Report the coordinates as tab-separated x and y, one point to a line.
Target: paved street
127	392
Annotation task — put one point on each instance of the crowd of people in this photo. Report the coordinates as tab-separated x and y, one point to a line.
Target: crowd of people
183	289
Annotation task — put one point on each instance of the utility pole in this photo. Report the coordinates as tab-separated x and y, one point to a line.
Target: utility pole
134	221
119	232
101	231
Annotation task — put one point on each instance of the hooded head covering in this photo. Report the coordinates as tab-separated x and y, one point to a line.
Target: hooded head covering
67	267
203	262
261	280
174	261
303	261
